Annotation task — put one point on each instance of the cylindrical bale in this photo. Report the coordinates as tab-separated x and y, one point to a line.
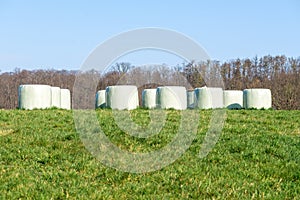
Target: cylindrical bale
257	98
55	97
149	98
190	98
34	96
171	97
209	97
122	97
100	99
65	99
233	99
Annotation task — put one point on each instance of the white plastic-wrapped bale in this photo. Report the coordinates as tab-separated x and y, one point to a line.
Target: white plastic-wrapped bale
149	98
190	99
122	97
34	96
55	97
100	99
171	97
209	97
257	98
233	99
65	99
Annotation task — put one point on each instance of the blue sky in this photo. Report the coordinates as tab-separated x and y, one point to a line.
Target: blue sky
61	34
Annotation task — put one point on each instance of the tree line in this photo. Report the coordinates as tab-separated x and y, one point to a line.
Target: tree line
278	73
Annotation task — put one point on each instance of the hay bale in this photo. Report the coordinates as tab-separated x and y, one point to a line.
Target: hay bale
233	99
257	98
34	96
55	97
122	97
171	97
191	99
100	99
149	98
65	99
209	97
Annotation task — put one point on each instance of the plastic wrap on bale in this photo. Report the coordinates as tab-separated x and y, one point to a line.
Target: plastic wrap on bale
149	98
191	99
209	97
171	97
34	96
55	97
233	99
122	97
100	99
257	98
65	99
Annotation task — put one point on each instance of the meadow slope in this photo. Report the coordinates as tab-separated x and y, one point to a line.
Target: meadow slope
257	156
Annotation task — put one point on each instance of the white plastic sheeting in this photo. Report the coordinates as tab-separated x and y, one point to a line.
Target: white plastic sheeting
209	97
34	96
191	99
171	97
55	97
122	97
100	99
149	98
233	99
65	99
257	98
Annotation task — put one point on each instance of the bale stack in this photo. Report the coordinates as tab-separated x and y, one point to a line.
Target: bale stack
257	98
233	99
55	97
122	97
100	99
34	96
191	99
65	99
171	97
209	97
149	98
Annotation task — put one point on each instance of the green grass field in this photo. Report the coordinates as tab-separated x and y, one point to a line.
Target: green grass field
257	156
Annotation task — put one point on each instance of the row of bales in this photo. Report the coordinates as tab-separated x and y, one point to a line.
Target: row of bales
166	97
42	97
176	97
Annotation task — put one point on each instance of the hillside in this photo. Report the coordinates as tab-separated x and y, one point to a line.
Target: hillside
257	156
